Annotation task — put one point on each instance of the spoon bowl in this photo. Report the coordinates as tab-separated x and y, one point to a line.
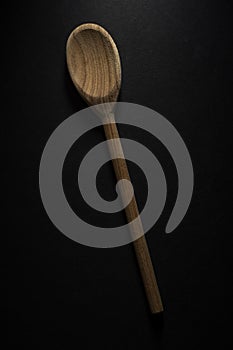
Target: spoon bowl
94	64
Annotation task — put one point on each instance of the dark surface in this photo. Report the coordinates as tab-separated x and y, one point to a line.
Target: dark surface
177	59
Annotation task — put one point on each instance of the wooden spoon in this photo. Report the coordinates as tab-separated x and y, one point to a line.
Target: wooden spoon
94	65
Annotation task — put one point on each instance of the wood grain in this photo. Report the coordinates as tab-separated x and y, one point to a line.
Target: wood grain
94	65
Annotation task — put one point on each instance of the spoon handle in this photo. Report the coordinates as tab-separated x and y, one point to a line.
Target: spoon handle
140	245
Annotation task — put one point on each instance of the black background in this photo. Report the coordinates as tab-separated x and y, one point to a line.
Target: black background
177	59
